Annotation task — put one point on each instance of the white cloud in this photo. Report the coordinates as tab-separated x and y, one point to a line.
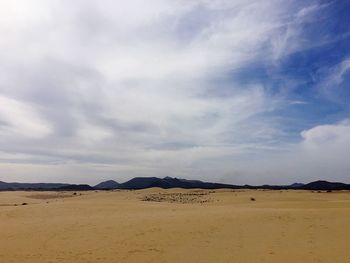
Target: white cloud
323	153
328	135
19	119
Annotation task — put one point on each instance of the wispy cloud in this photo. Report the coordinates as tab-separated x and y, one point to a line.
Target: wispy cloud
19	119
332	78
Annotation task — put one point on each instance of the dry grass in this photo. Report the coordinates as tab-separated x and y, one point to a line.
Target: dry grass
51	195
183	198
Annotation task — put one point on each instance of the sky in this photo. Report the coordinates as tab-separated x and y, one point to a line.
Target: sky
231	91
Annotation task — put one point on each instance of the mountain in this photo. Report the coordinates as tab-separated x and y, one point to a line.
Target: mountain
75	187
142	182
296	185
325	185
169	182
30	186
107	185
43	186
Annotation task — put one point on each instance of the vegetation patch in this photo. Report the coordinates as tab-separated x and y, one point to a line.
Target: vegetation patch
183	198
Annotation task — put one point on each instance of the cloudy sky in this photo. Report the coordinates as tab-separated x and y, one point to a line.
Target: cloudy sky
243	91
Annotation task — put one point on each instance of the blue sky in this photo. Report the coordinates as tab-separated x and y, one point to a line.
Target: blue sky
229	91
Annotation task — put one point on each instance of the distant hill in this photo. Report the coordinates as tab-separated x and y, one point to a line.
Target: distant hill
166	182
296	185
107	185
28	186
76	187
169	182
142	182
325	185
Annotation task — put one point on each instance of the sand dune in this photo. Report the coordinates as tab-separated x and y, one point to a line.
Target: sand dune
175	225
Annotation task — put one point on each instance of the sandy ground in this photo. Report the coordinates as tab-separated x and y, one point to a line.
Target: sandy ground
175	225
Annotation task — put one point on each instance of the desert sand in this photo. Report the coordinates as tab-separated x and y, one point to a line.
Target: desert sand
156	225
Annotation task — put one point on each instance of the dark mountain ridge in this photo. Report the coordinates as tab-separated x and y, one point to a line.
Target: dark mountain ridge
325	185
167	182
106	185
76	187
29	186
